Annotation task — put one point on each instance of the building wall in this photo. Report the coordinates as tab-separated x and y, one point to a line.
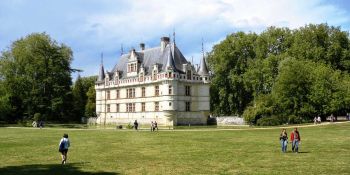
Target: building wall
172	107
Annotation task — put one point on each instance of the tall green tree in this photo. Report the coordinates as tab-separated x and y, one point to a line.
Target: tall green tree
90	107
79	98
36	71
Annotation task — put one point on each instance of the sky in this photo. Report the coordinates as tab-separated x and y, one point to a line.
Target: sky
92	27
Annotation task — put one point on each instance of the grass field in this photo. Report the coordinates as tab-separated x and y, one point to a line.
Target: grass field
324	149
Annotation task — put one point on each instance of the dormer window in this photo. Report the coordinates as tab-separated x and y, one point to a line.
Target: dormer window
107	81
116	80
188	74
155	75
141	76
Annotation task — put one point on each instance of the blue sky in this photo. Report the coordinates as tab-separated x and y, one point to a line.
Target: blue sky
90	27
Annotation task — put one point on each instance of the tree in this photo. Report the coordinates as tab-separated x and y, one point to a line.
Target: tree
90	107
79	99
36	71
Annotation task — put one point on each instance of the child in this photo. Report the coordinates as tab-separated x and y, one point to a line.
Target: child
64	150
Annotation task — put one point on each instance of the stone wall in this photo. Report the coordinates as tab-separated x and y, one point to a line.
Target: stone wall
230	120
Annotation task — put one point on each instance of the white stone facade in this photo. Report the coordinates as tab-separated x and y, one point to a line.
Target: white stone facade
165	92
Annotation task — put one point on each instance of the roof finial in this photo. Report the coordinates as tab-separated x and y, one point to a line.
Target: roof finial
174	36
202	46
121	53
101	58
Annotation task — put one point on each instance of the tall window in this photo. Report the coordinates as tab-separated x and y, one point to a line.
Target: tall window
143	92
132	67
116	80
156	106
133	107
141	77
155	75
188	90
108	95
157	91
170	90
133	93
127	93
107	81
143	107
108	108
117	107
130	107
188	74
188	107
130	93
118	94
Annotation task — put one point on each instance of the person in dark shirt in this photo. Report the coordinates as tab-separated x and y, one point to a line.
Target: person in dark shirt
284	140
136	125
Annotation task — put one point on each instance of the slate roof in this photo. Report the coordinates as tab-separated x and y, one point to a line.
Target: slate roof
203	67
150	56
101	75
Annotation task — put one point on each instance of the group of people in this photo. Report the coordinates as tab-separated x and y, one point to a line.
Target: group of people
153	125
294	139
317	120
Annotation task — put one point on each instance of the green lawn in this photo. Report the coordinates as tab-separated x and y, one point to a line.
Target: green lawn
324	150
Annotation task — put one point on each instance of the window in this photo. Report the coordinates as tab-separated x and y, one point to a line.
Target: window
188	90
116	80
133	93
156	106
129	70
118	94
143	91
130	107
155	75
130	93
107	81
170	90
169	103
133	107
143	107
157	91
141	77
108	95
108	108
132	67
127	93
170	75
117	107
188	106
127	107
188	74
206	78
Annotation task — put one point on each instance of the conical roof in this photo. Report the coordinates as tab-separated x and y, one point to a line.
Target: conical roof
170	61
101	75
203	67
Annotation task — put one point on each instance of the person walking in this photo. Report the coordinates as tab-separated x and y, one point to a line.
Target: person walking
155	125
152	126
136	125
332	118
295	139
319	119
64	145
284	140
315	120
41	124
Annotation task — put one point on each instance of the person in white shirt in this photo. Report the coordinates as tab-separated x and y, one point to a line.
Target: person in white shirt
319	119
64	148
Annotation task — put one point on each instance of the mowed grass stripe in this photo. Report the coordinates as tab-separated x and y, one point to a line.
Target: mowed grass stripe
324	150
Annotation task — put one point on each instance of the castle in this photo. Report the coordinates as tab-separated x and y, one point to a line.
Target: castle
156	84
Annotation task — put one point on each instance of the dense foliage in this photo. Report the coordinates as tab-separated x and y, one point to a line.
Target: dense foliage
36	78
281	75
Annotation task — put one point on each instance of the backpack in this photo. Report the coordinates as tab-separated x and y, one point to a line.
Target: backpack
61	147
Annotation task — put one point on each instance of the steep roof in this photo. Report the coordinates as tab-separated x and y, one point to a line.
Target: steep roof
101	75
150	56
203	67
170	61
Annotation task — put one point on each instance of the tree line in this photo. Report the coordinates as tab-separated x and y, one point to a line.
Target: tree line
281	75
36	82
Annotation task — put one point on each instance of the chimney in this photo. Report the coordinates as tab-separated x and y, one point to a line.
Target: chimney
196	67
163	42
142	46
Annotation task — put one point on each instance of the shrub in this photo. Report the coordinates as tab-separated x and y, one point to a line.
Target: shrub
130	126
268	121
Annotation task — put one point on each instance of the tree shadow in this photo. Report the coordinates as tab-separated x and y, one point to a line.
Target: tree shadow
50	169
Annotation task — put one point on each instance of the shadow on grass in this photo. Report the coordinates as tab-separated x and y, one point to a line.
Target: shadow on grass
50	169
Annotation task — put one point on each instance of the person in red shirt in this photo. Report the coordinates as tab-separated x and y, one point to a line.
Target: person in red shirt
295	139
